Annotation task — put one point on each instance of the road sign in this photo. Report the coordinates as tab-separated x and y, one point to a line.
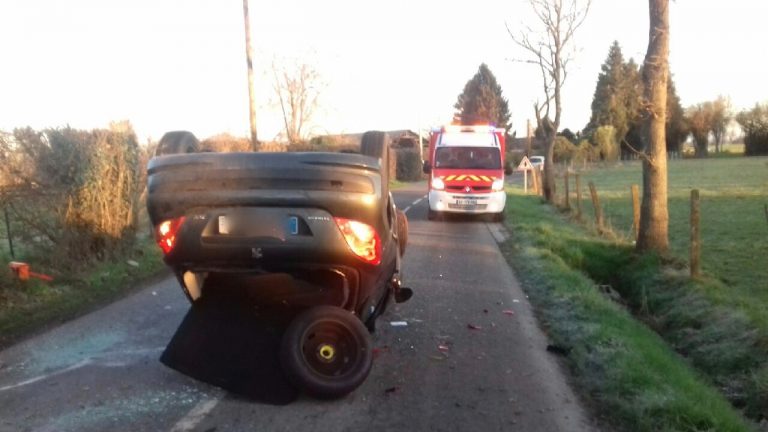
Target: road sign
525	165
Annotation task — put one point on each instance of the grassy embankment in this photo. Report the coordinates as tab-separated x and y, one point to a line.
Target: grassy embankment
27	307
714	324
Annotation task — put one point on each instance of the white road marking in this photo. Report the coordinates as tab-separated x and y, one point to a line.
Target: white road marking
197	414
405	210
418	201
46	376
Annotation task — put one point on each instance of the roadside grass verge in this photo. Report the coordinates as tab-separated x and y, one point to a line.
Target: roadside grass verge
27	307
634	379
734	232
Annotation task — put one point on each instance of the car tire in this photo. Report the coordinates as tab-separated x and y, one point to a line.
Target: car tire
376	144
327	352
402	231
177	142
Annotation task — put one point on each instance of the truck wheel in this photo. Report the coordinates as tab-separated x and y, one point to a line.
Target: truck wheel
402	231
177	142
327	352
432	215
376	144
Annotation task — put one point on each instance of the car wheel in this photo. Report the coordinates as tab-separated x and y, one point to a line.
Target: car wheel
376	144
326	351
402	231
177	142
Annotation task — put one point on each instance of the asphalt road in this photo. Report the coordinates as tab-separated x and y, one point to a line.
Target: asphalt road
471	358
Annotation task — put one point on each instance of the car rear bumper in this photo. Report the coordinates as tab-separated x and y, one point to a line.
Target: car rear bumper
453	202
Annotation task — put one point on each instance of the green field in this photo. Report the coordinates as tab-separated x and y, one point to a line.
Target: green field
734	229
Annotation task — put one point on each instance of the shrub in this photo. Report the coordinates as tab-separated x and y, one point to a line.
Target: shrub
513	158
564	150
226	143
755	125
605	140
75	192
586	152
408	166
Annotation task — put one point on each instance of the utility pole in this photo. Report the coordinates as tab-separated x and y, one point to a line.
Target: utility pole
251	90
528	140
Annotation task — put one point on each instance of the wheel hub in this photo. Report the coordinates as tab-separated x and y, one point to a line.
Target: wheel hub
326	352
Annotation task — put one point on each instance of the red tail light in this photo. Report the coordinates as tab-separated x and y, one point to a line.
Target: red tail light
165	233
362	239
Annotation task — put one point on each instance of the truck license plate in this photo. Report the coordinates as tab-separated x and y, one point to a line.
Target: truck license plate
466	202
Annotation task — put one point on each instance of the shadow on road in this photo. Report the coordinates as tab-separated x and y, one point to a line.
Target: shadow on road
227	342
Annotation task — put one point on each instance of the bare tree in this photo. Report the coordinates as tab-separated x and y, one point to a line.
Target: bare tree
298	89
721	118
549	50
701	123
654	214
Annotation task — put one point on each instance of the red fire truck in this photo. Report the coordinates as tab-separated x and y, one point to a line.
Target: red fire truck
466	171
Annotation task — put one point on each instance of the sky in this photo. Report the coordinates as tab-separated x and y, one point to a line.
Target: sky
399	64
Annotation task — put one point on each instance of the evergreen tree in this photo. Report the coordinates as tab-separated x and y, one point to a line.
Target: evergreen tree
482	101
618	94
677	126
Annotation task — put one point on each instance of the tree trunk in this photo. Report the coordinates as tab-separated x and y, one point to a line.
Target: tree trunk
549	169
654	215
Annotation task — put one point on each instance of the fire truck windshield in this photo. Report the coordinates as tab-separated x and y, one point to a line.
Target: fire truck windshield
468	157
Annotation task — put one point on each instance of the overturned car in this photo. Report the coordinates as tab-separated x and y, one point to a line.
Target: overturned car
317	234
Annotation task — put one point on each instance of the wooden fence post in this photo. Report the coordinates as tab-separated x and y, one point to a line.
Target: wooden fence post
636	210
695	235
596	205
766	212
578	196
567	191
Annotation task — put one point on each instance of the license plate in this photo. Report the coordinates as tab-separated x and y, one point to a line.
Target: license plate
228	224
466	202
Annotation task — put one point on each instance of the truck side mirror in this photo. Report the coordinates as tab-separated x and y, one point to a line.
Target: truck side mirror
427	168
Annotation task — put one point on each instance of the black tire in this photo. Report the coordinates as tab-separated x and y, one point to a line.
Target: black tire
177	142
433	215
402	231
376	144
498	217
327	352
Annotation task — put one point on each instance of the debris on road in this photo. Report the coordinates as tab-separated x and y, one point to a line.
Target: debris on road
391	390
559	350
378	351
508	312
443	348
515	301
398	323
474	327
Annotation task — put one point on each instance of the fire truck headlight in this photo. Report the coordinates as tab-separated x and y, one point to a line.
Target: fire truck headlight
498	185
438	184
